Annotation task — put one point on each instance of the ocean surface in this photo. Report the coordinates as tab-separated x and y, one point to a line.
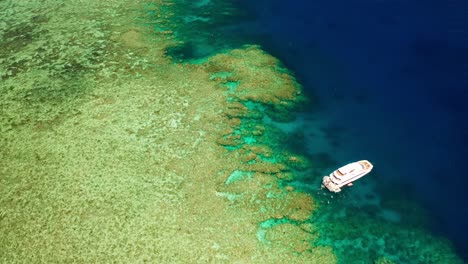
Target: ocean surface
388	82
178	131
390	79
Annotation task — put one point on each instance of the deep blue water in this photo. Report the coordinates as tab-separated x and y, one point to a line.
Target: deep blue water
392	77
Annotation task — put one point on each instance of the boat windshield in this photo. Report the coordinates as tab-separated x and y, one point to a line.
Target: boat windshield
335	178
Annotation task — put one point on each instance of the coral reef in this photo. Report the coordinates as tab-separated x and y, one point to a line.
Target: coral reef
108	149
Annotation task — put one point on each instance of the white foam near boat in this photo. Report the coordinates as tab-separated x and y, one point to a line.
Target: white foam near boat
346	175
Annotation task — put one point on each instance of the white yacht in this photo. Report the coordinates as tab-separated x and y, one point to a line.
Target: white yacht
346	175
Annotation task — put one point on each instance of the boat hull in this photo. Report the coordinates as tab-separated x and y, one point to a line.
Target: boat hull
346	175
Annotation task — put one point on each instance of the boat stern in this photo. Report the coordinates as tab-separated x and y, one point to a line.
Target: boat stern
331	186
